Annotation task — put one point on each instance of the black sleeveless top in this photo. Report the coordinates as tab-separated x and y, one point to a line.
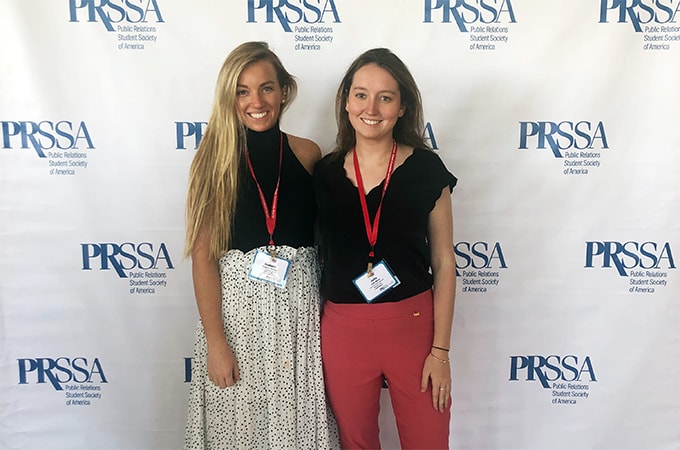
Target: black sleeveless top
296	208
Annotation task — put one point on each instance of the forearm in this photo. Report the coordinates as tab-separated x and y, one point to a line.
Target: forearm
444	291
208	293
207	290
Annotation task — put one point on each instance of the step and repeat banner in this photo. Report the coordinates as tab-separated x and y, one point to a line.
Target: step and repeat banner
560	118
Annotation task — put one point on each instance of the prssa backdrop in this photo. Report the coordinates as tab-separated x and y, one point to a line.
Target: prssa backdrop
557	117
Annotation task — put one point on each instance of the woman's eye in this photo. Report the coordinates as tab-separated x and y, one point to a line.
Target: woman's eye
241	93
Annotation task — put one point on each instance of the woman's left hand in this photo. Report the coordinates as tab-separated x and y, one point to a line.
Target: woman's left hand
437	373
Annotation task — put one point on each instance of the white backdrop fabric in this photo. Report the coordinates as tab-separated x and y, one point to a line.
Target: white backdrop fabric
558	117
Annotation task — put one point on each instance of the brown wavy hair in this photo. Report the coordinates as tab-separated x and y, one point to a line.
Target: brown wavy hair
409	129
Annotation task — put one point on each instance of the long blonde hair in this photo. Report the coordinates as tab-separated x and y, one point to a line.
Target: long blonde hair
214	171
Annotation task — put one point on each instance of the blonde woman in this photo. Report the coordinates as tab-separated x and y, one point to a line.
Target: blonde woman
257	381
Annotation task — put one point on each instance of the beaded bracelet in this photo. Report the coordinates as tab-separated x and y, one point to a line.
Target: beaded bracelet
441	348
443	361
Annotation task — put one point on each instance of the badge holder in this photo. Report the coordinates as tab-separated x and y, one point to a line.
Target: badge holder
269	268
376	282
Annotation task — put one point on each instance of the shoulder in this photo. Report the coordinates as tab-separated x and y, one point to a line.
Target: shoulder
426	155
422	159
306	151
332	161
428	162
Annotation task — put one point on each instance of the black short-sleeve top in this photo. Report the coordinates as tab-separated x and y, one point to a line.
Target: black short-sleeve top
402	236
296	209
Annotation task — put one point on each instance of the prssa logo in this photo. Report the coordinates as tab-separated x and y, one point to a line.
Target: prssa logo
288	12
469	12
45	135
60	371
639	12
192	131
565	135
553	368
624	256
111	12
479	255
125	257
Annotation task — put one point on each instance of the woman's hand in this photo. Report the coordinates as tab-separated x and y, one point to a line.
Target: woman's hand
222	366
437	373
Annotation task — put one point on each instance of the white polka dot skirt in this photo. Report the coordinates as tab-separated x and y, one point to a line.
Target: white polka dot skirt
280	401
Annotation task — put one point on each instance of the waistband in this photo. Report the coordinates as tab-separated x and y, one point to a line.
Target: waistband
419	303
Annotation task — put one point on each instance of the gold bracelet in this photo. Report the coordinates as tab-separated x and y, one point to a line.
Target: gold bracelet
443	361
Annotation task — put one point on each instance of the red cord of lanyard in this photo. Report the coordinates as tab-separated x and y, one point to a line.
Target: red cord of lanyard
270	216
372	230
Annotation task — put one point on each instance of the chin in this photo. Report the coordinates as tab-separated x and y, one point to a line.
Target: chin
259	126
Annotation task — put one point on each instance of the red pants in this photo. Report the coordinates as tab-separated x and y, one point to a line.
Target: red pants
361	344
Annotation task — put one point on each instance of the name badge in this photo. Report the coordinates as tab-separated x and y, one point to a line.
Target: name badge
377	282
270	269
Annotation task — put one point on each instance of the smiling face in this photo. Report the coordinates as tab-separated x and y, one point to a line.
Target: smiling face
259	96
373	103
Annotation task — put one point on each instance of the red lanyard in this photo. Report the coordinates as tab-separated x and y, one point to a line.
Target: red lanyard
269	217
372	230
